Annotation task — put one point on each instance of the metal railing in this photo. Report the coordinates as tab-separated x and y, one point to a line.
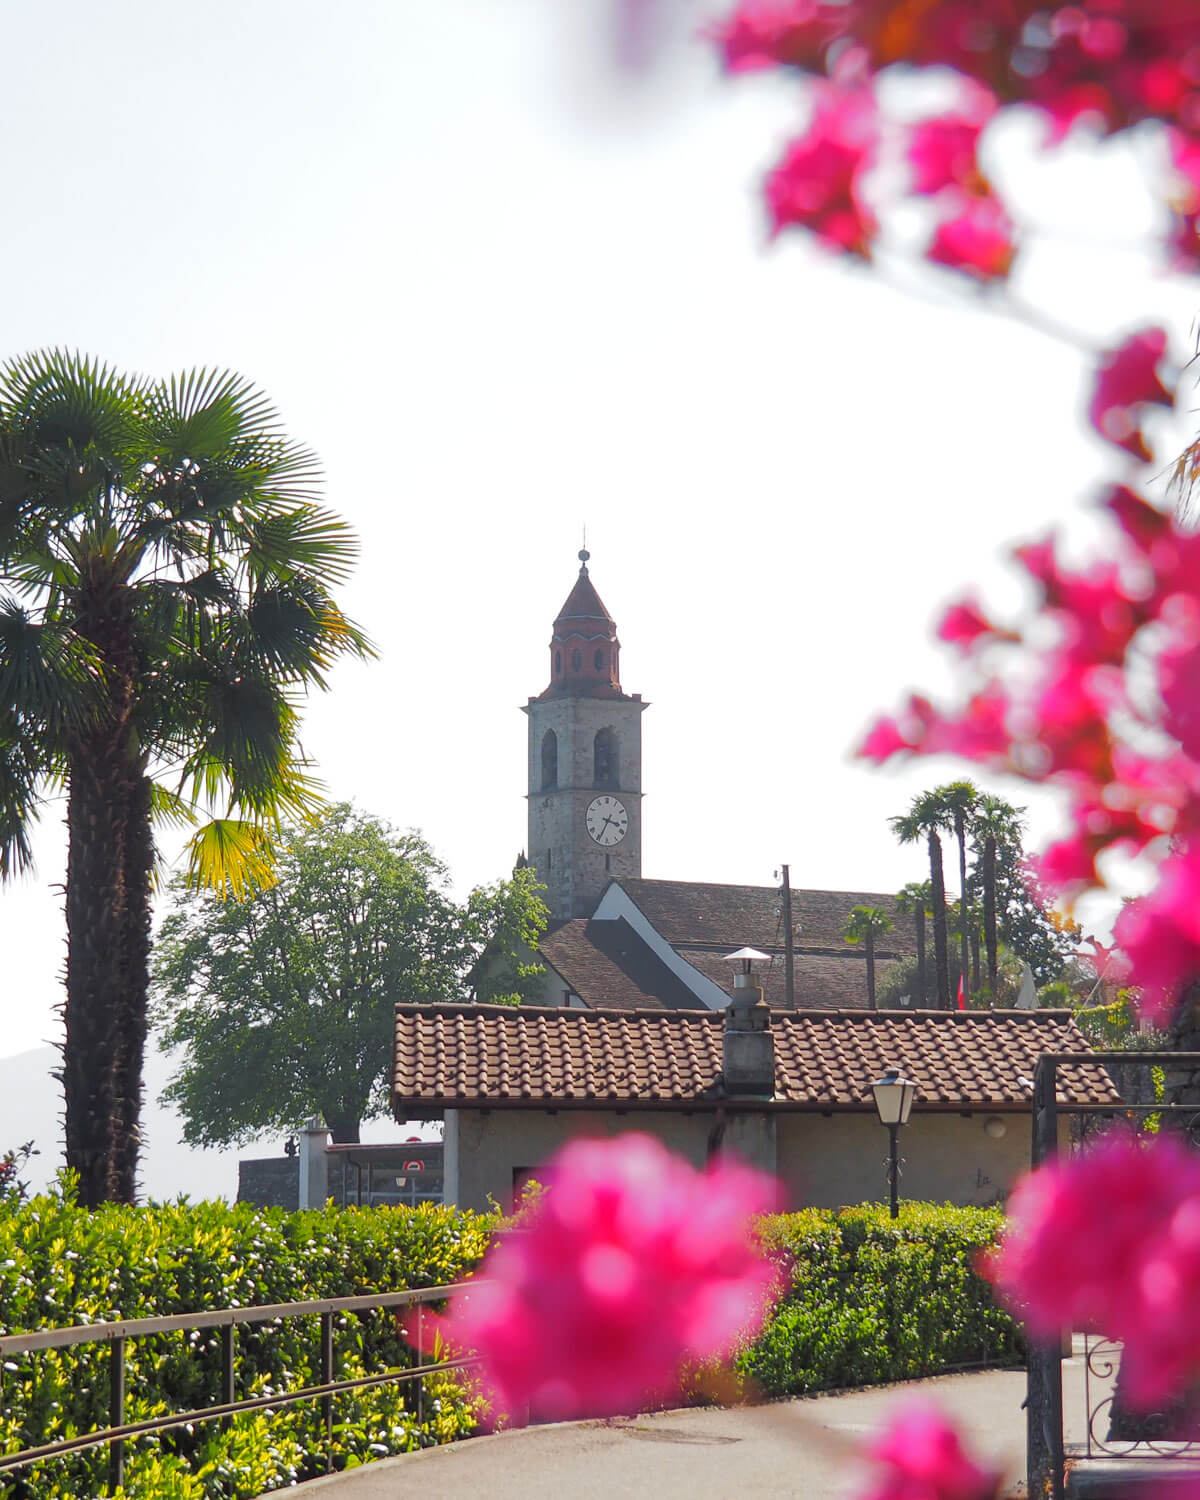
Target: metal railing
1046	1449
227	1320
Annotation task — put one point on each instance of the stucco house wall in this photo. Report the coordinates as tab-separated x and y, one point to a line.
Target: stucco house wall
822	1162
831	1161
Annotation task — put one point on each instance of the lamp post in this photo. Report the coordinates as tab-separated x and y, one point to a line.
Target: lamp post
894	1097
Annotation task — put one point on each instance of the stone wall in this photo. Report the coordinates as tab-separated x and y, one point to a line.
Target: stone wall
269	1182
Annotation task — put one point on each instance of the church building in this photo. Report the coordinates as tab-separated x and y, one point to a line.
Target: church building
636	1028
617	940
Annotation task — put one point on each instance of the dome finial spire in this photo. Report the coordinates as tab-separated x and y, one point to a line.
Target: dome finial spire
584	554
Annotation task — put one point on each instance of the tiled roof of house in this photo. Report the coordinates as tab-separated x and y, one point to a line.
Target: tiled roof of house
694	913
495	1056
607	964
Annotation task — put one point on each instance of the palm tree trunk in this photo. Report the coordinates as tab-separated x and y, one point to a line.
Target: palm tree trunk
922	985
975	965
941	946
97	825
871	970
135	992
989	912
101	797
960	833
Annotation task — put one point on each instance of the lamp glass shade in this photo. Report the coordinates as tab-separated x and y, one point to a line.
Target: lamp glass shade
894	1097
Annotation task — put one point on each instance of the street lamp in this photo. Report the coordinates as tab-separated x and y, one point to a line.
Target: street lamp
894	1097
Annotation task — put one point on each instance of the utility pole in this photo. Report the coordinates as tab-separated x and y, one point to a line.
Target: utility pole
789	972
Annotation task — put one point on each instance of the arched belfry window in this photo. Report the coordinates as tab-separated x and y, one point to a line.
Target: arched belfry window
549	760
576	661
599	661
604	759
558	664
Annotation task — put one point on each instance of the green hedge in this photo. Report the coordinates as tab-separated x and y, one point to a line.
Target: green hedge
872	1299
61	1266
868	1300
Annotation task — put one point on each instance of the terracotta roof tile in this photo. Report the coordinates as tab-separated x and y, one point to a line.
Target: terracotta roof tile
497	1055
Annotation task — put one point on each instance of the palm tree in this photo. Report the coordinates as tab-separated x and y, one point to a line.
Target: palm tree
913	900
957	799
862	926
995	824
167	571
924	821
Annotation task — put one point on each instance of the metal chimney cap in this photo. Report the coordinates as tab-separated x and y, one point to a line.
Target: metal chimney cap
746	956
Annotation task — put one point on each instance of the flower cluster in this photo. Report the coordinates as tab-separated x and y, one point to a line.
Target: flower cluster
1112	63
631	1265
920	1456
1096	692
1110	1242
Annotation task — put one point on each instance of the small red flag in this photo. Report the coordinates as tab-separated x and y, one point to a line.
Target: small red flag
962	999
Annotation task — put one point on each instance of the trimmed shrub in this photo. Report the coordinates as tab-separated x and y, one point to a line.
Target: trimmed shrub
873	1299
60	1266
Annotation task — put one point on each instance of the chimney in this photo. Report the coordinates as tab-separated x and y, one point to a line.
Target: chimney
749	1048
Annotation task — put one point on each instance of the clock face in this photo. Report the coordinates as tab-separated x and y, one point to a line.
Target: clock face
607	820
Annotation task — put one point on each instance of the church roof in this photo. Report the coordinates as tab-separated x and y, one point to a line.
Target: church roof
697	914
584	608
607	963
493	1056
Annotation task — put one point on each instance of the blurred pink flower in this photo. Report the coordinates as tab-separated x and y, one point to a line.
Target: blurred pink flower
816	185
977	241
1109	1241
632	1264
1160	936
1126	379
920	1456
942	150
763	33
964	624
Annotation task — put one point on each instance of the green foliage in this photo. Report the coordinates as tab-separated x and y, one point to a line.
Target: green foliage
1115	1027
283	1003
873	1299
61	1266
865	921
505	922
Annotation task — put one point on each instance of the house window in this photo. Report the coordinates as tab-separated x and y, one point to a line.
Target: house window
549	760
604	759
548	861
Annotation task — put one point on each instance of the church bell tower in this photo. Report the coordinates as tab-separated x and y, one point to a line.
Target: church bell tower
585	760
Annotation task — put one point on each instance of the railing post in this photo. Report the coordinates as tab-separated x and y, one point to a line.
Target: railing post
420	1378
116	1414
327	1379
227	1349
1043	1395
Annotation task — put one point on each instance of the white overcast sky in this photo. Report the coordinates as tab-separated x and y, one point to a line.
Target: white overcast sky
504	291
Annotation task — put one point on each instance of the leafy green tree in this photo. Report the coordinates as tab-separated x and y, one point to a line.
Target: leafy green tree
283	1004
913	900
164	600
925	819
995	825
864	925
504	923
956	800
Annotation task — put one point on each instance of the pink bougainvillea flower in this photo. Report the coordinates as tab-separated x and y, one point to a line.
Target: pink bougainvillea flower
1160	936
817	184
942	150
977	241
766	33
920	1456
631	1264
964	625
1109	1241
1126	379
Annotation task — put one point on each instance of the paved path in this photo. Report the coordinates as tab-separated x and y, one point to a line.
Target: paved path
787	1448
